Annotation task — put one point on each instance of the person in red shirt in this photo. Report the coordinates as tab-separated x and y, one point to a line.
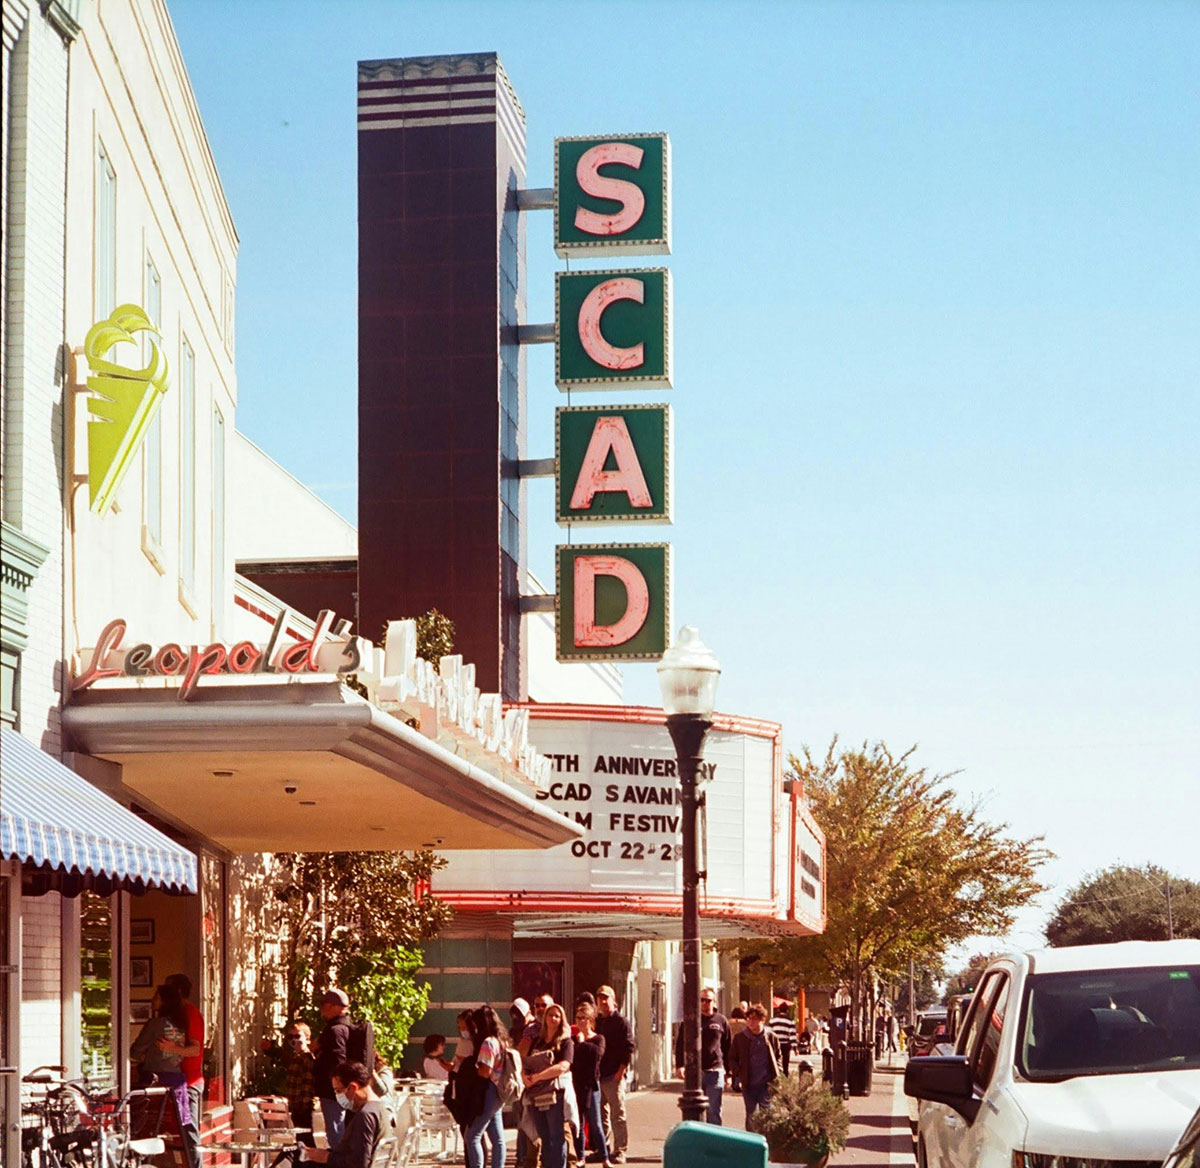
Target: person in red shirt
192	1065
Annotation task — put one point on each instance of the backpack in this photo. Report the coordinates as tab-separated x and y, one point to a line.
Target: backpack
360	1045
510	1085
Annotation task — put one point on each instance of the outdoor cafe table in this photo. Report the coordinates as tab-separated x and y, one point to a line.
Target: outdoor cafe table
282	1141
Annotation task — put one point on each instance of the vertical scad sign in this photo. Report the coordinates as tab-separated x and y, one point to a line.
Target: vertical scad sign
612	198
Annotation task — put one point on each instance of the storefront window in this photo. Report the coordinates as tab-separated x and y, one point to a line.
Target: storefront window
96	985
213	979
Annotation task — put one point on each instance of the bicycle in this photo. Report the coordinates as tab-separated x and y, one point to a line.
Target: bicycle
51	1135
73	1126
114	1147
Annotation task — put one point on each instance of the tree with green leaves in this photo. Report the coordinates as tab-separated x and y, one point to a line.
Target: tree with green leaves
909	871
356	920
967	978
1124	903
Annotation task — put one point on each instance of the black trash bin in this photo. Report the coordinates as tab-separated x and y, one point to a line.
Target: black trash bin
860	1067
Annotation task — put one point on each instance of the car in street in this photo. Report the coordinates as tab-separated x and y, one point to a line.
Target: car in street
1085	1055
929	1030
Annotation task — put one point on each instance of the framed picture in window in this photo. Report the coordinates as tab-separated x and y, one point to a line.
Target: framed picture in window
139	1013
141	931
141	971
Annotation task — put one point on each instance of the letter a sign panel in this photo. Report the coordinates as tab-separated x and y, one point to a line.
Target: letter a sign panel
613	601
612	195
613	464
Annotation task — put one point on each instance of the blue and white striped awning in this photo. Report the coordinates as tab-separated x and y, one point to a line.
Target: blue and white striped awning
52	817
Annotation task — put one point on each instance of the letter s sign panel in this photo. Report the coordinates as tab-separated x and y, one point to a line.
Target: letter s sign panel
612	194
613	329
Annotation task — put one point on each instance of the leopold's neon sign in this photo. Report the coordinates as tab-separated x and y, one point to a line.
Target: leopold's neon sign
330	649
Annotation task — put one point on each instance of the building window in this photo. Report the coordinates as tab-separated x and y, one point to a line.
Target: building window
227	313
96	987
106	237
187	476
218	522
152	533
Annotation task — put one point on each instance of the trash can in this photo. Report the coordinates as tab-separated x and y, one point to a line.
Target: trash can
701	1145
860	1067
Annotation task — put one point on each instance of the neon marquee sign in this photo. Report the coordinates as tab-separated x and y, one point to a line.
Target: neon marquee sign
331	650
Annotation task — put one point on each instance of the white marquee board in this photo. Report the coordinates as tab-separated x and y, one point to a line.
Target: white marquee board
618	778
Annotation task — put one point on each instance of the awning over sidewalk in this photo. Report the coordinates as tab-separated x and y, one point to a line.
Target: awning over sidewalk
283	766
56	820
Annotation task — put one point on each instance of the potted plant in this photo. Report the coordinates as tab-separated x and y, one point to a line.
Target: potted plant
802	1122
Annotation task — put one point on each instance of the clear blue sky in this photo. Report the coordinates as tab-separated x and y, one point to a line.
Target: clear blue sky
937	336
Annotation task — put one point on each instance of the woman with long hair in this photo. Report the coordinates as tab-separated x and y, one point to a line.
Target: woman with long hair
547	1079
585	1076
169	1022
491	1041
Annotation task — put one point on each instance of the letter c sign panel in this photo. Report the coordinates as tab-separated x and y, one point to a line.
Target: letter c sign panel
613	601
613	329
612	195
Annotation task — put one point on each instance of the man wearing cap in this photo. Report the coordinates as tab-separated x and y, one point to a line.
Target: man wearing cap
523	1033
618	1053
332	1052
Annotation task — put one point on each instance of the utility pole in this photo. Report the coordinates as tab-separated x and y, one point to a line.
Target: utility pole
1170	917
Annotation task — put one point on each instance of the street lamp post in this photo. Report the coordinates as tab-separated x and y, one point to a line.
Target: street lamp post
687	675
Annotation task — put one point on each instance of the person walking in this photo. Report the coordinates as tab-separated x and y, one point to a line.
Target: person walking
492	1041
812	1027
191	1064
715	1037
754	1059
547	1078
619	1047
737	1023
333	1049
585	1076
784	1030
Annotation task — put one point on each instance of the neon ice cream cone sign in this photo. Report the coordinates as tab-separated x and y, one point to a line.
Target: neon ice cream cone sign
122	401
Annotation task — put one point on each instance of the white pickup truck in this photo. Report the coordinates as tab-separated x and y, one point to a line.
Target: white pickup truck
1085	1056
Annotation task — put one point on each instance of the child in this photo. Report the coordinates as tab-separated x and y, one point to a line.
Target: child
466	1046
435	1065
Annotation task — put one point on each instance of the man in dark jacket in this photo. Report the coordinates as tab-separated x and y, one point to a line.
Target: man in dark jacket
754	1058
714	1053
332	1051
618	1053
369	1120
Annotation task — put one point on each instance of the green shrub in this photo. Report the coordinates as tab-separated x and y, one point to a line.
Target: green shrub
801	1121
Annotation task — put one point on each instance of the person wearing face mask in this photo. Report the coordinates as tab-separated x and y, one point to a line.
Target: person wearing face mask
368	1120
465	1047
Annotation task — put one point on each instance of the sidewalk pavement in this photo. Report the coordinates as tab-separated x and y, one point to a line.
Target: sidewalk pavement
879	1133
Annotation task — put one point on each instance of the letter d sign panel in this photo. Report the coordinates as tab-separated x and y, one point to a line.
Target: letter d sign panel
613	601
